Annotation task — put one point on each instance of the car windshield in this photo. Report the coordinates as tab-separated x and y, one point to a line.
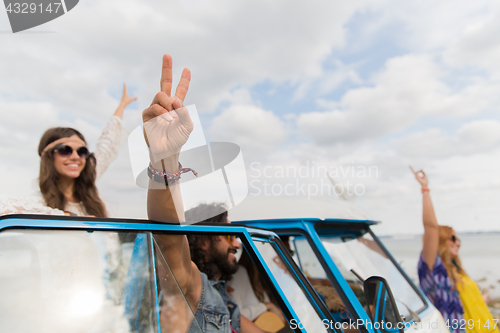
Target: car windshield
107	281
79	281
358	258
308	318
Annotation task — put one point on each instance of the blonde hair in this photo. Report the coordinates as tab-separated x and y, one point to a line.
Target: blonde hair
453	265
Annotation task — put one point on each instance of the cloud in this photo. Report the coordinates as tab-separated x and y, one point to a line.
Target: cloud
472	138
223	44
423	26
479	47
257	131
328	81
407	88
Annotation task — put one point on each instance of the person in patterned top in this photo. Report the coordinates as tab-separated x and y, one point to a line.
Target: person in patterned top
442	277
68	170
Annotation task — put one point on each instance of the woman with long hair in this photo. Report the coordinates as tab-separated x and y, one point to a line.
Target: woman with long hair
68	171
443	278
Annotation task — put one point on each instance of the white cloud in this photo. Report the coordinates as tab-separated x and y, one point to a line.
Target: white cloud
226	44
408	87
424	26
328	81
479	47
257	131
471	138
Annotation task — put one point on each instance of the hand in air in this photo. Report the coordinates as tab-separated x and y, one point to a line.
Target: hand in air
126	99
421	177
167	124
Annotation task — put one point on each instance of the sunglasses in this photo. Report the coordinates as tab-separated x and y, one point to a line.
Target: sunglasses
66	151
454	239
230	238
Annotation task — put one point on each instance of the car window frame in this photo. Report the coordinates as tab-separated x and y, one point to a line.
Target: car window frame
389	256
90	224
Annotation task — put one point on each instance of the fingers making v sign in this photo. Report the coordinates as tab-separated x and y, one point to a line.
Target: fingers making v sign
167	124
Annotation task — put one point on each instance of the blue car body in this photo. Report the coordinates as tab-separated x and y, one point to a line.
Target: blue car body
322	237
57	273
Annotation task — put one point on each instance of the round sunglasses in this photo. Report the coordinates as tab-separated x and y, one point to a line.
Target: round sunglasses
454	239
65	151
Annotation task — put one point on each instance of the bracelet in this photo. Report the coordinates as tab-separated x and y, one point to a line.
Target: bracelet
425	190
165	177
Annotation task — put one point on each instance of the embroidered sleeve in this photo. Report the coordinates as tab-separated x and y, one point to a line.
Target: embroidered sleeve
108	145
30	205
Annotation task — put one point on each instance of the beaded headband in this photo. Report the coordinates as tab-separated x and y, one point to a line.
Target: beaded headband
74	138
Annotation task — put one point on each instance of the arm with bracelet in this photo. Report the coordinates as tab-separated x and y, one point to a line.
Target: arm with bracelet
430	239
167	127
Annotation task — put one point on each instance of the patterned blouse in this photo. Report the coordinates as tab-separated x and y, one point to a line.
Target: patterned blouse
437	285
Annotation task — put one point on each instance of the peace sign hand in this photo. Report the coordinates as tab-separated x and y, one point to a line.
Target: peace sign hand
167	124
421	177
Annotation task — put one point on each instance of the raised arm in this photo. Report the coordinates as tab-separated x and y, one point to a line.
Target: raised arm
126	100
431	228
167	127
109	143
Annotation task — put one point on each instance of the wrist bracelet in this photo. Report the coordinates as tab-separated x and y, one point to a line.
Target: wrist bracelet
165	177
425	190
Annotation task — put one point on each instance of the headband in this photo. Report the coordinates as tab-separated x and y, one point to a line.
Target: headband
74	138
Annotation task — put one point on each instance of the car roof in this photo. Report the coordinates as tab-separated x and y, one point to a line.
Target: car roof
269	207
308	220
325	228
15	221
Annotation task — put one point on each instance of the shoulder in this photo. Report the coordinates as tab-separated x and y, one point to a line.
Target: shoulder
34	204
32	200
422	264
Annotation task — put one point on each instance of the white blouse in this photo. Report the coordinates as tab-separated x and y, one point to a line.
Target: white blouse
244	295
106	151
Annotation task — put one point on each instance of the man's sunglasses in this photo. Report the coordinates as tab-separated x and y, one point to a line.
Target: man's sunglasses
231	238
66	151
454	239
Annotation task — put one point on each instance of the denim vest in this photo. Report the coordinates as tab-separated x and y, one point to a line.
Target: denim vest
216	311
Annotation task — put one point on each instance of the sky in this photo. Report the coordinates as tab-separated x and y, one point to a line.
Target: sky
357	90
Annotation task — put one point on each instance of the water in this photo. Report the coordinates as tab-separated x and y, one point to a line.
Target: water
479	252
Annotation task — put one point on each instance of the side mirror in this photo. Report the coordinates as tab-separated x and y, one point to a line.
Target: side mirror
382	307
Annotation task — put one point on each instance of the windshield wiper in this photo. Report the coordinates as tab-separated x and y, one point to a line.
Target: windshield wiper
357	275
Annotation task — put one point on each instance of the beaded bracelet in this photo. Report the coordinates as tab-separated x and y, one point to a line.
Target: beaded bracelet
425	190
165	177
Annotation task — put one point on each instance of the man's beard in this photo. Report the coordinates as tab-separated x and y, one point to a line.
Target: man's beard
221	261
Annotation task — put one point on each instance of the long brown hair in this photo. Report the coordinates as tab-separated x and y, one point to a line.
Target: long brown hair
256	279
85	189
453	265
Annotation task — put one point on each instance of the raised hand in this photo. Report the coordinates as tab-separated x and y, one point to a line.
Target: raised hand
167	124
126	99
421	177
